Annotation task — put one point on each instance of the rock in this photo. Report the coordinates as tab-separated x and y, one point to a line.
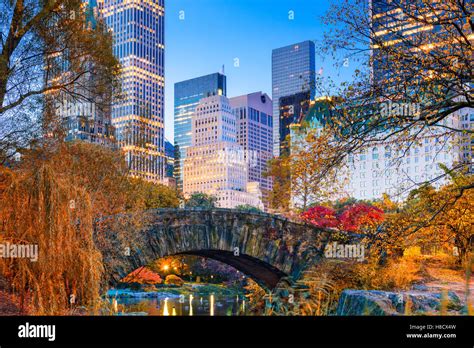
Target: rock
375	302
420	287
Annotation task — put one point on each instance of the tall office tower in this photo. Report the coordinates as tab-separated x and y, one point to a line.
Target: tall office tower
292	109
215	163
255	135
293	71
429	71
138	42
187	95
88	117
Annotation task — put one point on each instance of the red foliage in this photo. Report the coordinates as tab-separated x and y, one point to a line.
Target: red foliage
359	216
352	219
321	216
143	275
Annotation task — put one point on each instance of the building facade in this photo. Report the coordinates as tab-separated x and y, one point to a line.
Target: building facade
393	167
292	109
393	27
87	118
187	95
293	71
396	169
214	163
137	28
255	135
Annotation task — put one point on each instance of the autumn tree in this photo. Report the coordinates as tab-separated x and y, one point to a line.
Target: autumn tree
78	204
279	196
405	53
42	208
50	51
438	219
359	217
312	179
321	216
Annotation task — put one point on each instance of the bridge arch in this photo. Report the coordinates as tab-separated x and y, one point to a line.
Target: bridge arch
267	248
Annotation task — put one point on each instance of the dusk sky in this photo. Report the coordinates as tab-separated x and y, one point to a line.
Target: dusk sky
215	32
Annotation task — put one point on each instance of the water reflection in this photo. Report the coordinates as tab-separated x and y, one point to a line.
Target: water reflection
190	305
165	308
209	305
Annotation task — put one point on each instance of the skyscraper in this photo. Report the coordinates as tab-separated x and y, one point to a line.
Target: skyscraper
86	118
215	163
169	152
138	34
293	71
292	109
255	134
187	95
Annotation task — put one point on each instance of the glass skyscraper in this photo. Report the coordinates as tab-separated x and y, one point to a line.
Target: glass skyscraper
187	95
293	71
138	33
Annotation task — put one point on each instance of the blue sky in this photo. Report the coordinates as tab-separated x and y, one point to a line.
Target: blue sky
215	32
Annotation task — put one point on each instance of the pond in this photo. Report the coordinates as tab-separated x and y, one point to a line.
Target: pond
189	300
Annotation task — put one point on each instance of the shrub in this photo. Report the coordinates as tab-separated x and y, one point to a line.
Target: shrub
143	275
174	280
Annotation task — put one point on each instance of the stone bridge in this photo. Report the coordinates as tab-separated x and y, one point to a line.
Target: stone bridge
267	248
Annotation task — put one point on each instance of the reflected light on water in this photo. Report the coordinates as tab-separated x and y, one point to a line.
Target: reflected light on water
211	305
165	308
115	305
190	305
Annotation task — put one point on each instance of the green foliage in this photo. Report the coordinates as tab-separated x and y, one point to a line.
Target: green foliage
248	208
151	196
201	200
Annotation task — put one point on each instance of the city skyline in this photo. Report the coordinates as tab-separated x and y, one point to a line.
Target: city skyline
268	26
365	209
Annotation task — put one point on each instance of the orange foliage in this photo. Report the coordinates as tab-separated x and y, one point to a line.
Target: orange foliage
143	275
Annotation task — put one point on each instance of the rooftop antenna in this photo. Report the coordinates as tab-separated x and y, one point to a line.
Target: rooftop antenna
223	69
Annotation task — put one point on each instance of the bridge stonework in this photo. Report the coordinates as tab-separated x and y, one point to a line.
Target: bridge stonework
268	248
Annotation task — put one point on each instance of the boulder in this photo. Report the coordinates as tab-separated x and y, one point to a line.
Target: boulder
375	302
